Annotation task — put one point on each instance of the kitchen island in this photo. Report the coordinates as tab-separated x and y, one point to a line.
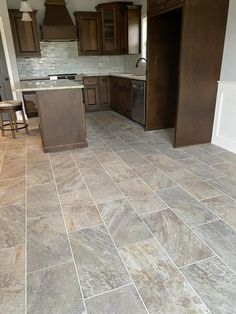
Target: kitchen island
61	113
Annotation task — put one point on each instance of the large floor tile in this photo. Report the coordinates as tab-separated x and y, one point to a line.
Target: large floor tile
224	207
200	169
226	185
81	216
12	192
12	226
133	159
163	163
119	171
228	156
62	160
227	169
186	207
118	145
160	285
183	246
89	166
199	189
221	238
13	169
47	242
123	300
68	180
202	155
135	187
214	283
14	154
144	148
12	280
154	178
123	223
172	153
98	263
42	200
145	204
54	290
76	198
39	173
102	188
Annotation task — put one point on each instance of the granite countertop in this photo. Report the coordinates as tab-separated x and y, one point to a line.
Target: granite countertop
132	76
36	85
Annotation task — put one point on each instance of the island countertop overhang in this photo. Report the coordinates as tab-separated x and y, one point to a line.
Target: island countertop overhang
38	85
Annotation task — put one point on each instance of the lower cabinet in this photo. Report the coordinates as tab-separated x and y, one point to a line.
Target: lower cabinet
96	93
121	95
30	102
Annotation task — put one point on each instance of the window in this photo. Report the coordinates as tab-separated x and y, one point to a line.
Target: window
144	37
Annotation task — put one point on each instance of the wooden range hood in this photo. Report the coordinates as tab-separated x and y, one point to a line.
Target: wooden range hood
58	25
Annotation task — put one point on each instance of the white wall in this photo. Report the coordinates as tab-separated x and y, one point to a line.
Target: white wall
228	70
224	130
72	5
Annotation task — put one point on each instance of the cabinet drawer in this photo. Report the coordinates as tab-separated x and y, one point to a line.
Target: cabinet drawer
90	80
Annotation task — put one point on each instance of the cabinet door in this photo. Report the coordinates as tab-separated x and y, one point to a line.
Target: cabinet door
114	93
25	35
122	28
109	29
104	92
89	30
91	98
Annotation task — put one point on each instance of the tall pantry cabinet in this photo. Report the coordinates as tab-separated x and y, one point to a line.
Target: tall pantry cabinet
185	48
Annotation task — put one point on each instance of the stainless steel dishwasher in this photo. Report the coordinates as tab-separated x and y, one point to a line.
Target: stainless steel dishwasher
138	111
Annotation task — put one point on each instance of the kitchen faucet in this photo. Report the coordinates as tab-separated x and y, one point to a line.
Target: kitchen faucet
137	63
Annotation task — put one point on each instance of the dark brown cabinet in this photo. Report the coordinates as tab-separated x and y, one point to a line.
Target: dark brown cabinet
114	29
121	95
184	61
25	35
157	6
96	93
121	27
89	32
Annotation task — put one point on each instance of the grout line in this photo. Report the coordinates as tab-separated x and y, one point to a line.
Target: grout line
202	260
184	221
12	247
72	253
154	237
108	291
49	267
88	227
206	223
132	281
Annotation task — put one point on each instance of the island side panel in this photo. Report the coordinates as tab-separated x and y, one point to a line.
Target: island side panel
62	119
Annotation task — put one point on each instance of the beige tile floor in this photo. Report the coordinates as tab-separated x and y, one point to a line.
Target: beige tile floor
128	225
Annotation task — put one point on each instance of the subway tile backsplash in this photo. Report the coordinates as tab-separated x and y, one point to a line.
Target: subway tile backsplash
62	57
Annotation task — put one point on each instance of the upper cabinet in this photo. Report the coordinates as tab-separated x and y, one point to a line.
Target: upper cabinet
114	29
110	32
89	32
157	6
25	35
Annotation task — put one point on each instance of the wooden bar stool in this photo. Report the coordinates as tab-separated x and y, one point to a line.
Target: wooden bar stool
10	107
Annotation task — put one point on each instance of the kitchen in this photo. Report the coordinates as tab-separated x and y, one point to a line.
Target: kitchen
117	193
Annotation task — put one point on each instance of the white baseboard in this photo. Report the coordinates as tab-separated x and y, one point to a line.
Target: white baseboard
224	129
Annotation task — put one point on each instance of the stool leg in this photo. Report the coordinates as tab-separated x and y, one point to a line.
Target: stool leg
2	124
25	123
10	113
15	120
